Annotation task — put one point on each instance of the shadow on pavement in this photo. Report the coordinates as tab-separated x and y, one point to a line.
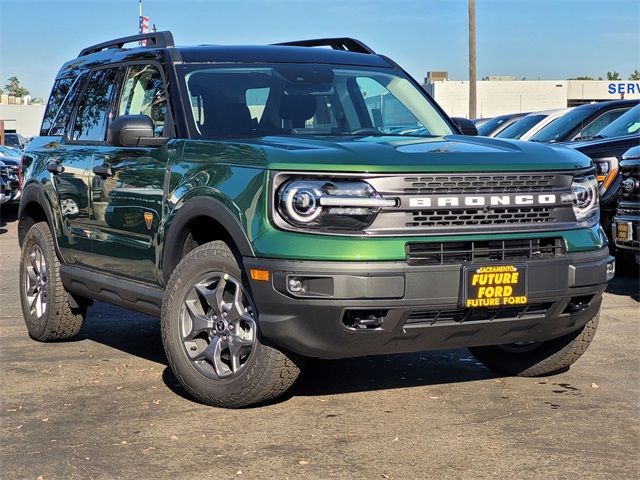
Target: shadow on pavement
8	214
139	335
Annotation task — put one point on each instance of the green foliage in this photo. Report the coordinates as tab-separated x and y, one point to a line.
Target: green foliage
613	76
635	75
583	77
14	88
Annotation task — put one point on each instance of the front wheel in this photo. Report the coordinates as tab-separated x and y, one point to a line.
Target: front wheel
533	359
211	336
49	311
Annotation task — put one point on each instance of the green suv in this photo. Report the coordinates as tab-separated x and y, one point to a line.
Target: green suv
272	203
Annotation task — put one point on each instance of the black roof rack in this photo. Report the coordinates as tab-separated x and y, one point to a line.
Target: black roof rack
155	39
342	43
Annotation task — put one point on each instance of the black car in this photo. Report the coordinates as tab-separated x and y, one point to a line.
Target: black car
583	122
626	224
497	124
606	149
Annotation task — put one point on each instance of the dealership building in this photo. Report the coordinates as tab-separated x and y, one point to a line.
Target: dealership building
500	95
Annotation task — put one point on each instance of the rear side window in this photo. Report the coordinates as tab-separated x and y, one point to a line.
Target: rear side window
599	123
93	111
58	94
144	94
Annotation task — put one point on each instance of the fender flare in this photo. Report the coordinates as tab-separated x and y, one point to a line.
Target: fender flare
201	207
32	193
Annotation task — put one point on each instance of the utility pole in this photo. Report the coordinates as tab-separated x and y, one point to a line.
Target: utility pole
472	59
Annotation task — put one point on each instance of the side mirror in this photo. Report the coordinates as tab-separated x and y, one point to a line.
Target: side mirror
466	126
133	131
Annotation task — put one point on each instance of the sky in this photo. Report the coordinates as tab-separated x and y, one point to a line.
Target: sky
546	39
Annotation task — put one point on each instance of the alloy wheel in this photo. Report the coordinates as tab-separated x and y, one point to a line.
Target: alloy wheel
217	324
36	282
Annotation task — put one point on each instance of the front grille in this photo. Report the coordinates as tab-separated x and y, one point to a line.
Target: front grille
460	315
464	218
490	250
474	184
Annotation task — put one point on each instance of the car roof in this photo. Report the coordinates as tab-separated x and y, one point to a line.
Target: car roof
225	54
608	104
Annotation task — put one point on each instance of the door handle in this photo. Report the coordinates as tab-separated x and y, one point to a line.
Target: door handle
103	170
54	167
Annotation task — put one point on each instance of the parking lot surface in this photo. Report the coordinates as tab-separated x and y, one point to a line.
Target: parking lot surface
107	406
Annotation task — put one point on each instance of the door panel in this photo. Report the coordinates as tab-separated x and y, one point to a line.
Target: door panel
126	210
72	189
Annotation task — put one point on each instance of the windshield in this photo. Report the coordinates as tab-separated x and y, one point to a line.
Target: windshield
626	124
491	125
557	131
307	99
522	126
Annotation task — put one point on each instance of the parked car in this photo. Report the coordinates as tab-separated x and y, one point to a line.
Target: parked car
516	130
10	168
626	223
583	122
480	121
552	116
9	151
13	139
606	150
495	125
253	199
5	185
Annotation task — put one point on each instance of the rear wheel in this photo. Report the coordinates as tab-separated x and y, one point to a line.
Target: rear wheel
49	311
211	335
532	359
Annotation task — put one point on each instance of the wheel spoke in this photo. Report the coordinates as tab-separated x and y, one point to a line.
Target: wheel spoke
34	263
208	294
199	323
222	284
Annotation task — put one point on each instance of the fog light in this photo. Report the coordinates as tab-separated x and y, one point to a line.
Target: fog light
611	270
296	285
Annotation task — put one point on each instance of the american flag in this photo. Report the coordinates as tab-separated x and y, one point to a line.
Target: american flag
143	28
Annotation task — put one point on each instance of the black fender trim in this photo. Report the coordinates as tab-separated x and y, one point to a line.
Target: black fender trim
201	207
138	296
32	193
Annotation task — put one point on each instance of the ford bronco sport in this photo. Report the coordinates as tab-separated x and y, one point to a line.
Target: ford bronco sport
271	203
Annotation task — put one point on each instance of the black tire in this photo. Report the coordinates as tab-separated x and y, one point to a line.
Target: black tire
268	372
545	358
62	316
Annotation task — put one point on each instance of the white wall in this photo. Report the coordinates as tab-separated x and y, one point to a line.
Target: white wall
25	119
500	97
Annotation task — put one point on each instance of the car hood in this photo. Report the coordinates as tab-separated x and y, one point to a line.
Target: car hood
599	147
454	153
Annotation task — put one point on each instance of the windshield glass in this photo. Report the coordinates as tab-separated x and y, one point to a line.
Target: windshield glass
626	124
560	128
488	127
522	126
307	99
10	151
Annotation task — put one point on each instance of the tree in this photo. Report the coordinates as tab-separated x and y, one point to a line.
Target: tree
635	75
613	76
583	77
14	88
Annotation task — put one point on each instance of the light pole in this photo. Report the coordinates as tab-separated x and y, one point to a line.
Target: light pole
472	59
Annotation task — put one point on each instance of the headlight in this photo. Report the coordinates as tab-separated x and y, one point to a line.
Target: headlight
329	204
606	170
585	199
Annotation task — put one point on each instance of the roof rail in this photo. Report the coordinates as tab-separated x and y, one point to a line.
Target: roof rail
342	43
154	39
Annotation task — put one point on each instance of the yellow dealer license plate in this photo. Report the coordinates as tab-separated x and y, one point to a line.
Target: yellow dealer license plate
623	231
494	286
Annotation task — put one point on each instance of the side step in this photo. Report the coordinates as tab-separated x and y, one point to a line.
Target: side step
123	292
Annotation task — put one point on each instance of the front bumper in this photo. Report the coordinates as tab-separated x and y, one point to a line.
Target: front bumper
417	307
630	215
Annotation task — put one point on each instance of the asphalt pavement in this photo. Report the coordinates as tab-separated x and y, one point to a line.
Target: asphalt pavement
106	406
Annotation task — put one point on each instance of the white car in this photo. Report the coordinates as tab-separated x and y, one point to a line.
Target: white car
552	115
530	124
